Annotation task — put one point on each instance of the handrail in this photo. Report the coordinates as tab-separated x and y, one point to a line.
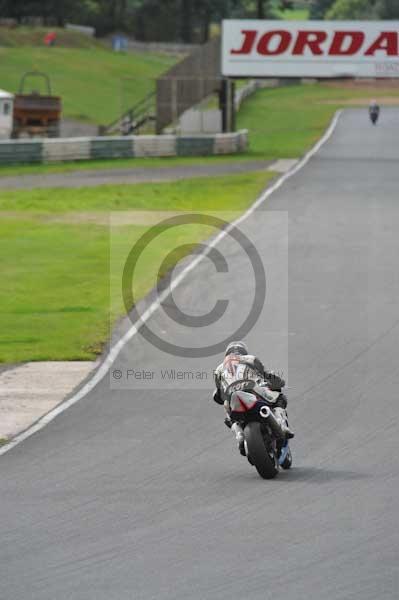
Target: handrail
132	112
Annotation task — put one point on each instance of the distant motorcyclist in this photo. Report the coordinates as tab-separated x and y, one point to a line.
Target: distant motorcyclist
374	111
237	369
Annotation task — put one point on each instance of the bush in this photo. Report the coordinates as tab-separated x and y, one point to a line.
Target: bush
351	9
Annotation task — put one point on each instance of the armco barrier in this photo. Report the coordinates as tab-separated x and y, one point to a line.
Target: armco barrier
66	149
154	145
71	149
231	143
199	146
23	151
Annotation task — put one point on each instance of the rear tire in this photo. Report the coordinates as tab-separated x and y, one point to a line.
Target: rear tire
261	454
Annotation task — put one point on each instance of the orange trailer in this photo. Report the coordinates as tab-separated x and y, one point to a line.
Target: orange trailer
36	114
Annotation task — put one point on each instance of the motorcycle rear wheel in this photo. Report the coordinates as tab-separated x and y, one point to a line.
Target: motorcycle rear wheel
261	453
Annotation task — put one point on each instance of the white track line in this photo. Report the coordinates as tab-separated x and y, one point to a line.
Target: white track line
116	349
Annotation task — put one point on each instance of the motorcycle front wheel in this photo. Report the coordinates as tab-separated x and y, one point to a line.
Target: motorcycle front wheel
260	451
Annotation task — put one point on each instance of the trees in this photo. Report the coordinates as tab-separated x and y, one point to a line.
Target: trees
260	9
363	9
196	17
388	9
319	8
51	11
19	9
264	9
180	20
187	21
63	11
351	9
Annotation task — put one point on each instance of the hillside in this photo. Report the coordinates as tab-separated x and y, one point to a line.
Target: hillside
33	36
89	79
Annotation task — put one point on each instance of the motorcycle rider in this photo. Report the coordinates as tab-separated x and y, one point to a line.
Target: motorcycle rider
374	111
239	365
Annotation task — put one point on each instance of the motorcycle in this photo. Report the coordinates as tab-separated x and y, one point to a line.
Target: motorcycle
265	444
374	113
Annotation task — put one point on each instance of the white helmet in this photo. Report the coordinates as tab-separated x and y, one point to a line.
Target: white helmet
236	348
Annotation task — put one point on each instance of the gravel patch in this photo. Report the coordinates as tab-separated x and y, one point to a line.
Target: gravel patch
29	391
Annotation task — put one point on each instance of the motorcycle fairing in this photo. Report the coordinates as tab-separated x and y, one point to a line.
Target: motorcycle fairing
266	394
242	402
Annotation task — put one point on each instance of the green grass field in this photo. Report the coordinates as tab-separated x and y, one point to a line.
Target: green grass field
55	249
282	122
55	244
285	122
298	14
89	80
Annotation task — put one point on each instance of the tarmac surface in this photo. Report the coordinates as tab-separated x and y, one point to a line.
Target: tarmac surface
73	128
94	177
140	493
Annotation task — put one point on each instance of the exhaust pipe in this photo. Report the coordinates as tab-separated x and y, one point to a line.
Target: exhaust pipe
271	420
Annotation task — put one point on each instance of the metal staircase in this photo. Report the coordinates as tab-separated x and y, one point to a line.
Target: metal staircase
134	119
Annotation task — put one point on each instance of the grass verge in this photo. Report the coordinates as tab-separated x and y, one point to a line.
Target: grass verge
285	122
282	123
55	248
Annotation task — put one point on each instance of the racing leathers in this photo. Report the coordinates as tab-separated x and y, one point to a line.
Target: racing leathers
233	374
374	111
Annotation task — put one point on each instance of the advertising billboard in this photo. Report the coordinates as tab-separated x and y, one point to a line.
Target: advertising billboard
252	48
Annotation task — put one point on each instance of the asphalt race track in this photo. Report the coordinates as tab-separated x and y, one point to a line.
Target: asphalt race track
141	493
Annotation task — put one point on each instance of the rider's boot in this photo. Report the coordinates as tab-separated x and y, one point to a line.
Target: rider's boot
282	418
238	432
228	422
